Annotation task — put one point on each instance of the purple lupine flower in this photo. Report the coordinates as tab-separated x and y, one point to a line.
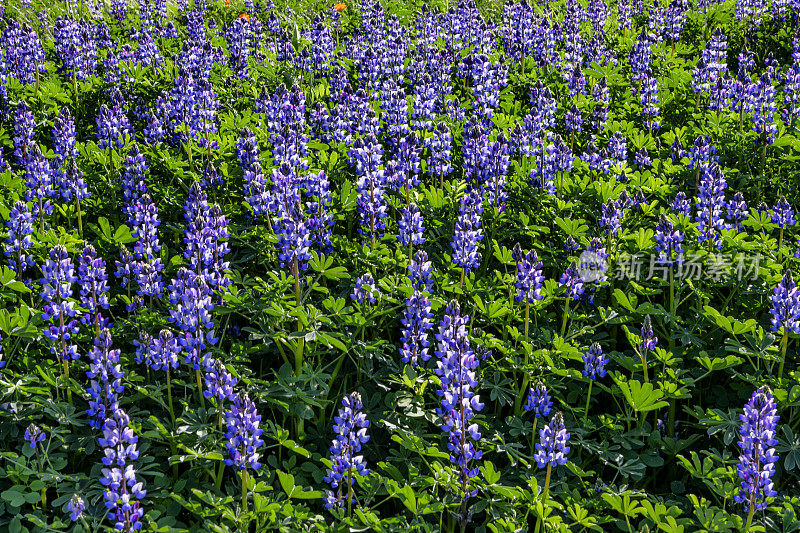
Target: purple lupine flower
420	272
205	239
539	401
571	279
20	232
123	490
93	283
24	131
191	109
649	101
494	167
146	266
761	102
710	206
39	180
573	120
290	225
737	212
455	368
255	181
350	428
416	322
113	128
783	214
76	506
649	339
133	181
681	204
611	218
219	381
668	243
75	48
676	150
468	232
365	289
57	284
24	54
552	447
105	380
642	158
243	434
411	228
618	150
34	435
144	348
164	351
67	176
191	298
241	40
365	156
594	362
320	218
785	310
529	276
440	145
757	444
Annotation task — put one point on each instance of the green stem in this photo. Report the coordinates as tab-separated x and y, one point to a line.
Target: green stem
588	399
200	388
544	494
80	219
533	436
244	490
527	316
566	314
66	380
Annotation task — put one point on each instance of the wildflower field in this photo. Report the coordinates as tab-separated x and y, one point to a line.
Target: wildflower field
411	266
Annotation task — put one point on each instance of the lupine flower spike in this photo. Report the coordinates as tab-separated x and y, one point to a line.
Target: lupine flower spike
757	459
350	427
594	366
551	451
785	313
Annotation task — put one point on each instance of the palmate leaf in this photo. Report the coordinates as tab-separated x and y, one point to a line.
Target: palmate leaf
641	396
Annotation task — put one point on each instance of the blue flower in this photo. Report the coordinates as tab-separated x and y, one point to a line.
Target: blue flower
757	444
552	447
539	401
243	434
594	362
34	435
350	428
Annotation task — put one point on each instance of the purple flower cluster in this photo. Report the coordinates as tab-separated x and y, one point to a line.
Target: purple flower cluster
594	362
455	368
350	426
468	232
59	309
123	490
539	401
757	444
243	434
529	276
19	240
785	310
552	447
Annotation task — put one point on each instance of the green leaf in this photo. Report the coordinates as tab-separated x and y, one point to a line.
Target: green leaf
641	396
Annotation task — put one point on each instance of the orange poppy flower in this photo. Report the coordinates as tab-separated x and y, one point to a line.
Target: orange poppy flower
227	2
245	16
339	7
